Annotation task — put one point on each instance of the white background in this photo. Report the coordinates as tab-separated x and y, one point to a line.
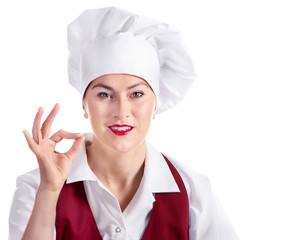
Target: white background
241	124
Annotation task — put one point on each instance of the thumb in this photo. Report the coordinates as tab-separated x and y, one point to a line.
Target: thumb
75	148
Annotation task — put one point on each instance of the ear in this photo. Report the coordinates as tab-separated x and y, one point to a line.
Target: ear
154	113
86	116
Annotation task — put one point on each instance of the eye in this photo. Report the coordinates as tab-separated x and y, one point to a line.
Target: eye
104	95
137	94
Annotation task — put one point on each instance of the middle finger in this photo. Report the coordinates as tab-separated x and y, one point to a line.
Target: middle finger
46	126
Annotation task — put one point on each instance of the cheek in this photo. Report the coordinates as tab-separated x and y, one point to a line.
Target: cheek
96	112
146	112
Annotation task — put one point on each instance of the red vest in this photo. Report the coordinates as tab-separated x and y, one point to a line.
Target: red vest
169	219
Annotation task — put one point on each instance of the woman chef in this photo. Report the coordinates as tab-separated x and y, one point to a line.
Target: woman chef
112	184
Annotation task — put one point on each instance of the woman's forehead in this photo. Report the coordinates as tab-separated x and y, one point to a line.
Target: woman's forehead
121	80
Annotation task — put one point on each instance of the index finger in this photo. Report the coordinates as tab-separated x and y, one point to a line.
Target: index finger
46	126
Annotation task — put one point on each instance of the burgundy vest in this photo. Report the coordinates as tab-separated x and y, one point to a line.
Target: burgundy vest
169	218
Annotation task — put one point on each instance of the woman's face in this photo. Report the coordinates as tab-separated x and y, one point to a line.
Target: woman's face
120	108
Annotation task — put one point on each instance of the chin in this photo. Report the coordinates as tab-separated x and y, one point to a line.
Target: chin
125	145
120	144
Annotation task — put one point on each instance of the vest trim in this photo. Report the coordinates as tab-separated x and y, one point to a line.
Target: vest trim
169	217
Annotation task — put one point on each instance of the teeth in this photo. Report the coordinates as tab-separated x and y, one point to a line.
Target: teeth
121	128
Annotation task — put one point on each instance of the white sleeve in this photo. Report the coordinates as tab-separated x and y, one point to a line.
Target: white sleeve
207	220
22	204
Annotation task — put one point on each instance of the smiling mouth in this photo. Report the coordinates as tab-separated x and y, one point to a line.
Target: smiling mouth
121	130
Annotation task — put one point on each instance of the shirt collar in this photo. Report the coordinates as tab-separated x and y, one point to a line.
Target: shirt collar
157	173
81	170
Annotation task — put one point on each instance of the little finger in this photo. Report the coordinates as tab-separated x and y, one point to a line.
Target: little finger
36	125
30	141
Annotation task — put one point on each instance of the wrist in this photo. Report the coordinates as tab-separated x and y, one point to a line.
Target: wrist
49	192
51	186
42	220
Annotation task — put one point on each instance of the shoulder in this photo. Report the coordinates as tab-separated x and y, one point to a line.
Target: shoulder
30	179
207	219
197	184
23	201
26	188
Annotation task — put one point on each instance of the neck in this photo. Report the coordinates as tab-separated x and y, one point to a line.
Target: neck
115	168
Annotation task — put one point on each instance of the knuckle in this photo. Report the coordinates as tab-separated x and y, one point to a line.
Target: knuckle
45	125
64	133
61	132
57	133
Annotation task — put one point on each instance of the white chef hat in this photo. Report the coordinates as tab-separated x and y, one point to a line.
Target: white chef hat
112	40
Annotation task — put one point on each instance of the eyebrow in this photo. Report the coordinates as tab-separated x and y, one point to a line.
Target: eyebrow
103	86
111	89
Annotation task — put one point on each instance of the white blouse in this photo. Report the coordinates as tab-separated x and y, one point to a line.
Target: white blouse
207	220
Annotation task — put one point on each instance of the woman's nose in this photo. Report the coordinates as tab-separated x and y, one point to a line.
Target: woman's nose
122	108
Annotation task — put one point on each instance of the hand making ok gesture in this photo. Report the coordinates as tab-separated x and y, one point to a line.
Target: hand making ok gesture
54	166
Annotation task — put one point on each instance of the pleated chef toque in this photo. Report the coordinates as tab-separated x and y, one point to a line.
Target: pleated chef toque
112	40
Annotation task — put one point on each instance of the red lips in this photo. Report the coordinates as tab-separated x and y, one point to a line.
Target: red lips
121	130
